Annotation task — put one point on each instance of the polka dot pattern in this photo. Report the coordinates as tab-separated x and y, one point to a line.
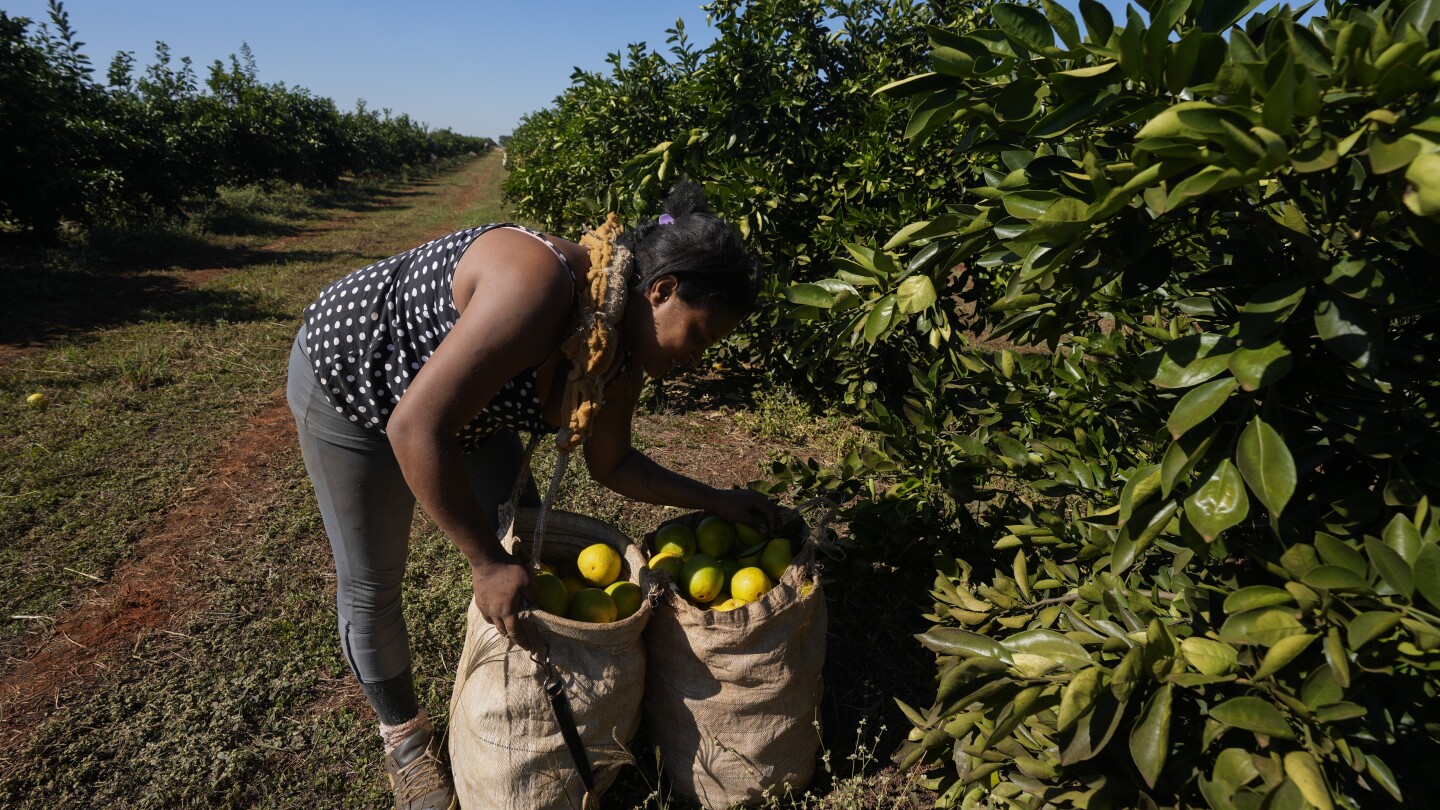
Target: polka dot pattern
370	332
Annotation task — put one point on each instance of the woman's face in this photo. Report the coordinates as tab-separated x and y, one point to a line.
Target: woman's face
664	332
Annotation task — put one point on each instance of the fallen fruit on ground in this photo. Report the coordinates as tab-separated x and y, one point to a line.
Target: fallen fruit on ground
599	564
37	400
592	605
627	597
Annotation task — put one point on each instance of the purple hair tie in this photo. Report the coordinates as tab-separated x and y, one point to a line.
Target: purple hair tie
666	219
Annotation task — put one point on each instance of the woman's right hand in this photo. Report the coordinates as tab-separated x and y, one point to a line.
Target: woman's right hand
502	589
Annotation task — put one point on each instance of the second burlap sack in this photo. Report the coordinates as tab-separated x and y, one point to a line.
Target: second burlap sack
506	749
732	698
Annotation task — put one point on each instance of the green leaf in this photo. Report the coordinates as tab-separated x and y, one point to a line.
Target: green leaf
1079	696
1338	552
880	318
1150	739
1188	361
1235	768
1269	307
1337	657
1422	191
1304	771
1369	626
1063	22
1391	566
1028	204
1209	656
926	229
1024	25
1198	405
1265	626
1219	503
916	294
1427	574
1258	367
1335	578
1402	536
954	641
1255	597
1387	154
1266	464
1098	22
1253	714
1050	644
1182	456
1284	651
810	295
1378	769
1348	329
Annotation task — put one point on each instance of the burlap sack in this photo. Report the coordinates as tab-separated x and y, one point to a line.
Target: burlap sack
732	698
506	750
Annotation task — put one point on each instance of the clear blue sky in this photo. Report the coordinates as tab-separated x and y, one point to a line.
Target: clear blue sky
474	66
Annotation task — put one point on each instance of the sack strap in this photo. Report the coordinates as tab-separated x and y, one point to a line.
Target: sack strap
560	705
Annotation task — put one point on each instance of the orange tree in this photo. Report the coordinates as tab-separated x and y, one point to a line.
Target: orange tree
1180	498
1225	578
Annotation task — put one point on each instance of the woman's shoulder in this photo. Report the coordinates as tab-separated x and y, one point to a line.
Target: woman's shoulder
510	261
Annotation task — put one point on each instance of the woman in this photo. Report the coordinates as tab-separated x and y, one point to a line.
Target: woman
409	380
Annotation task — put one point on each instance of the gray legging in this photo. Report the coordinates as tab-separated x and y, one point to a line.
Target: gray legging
367	508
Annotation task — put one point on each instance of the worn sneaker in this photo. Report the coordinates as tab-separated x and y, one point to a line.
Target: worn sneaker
421	781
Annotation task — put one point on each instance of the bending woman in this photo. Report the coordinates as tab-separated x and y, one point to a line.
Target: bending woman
410	379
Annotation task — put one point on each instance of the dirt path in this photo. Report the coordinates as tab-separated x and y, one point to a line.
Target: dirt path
150	592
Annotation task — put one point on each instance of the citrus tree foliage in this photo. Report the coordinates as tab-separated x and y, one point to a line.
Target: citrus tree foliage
1182	490
1225	582
73	148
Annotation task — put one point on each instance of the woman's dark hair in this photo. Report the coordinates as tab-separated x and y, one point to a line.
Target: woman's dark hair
704	253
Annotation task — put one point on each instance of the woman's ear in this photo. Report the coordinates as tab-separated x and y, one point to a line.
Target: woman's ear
661	289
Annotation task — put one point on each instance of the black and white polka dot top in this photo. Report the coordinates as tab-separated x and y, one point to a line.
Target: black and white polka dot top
370	332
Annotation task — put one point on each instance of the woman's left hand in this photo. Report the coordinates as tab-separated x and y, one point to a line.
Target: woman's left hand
745	506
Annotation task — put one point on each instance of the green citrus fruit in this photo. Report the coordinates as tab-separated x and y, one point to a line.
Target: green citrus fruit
701	578
715	536
554	596
750	584
776	558
675	538
599	564
573	585
669	563
730	565
592	605
746	537
627	596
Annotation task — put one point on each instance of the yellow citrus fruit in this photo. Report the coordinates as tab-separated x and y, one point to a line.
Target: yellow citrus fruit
675	538
599	564
627	596
592	605
37	400
701	578
776	558
750	584
573	585
554	596
746	537
715	536
669	563
729	604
